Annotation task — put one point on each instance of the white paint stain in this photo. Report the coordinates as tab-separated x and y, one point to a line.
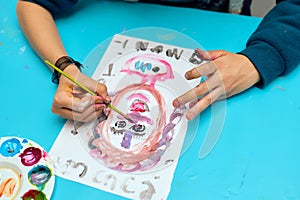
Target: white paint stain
22	50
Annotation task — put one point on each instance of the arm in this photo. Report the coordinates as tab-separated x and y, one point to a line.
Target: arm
274	48
271	51
39	28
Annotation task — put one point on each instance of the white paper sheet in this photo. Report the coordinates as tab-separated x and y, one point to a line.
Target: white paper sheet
135	161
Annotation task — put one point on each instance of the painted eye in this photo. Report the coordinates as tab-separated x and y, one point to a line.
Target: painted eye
120	124
138	128
155	69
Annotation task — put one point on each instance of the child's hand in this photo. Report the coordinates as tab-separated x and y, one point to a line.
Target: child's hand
226	74
71	102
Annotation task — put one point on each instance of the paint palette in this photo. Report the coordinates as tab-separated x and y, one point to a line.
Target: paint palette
25	170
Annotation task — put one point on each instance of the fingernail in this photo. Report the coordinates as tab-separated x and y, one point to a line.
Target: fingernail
176	103
187	75
107	99
190	115
99	99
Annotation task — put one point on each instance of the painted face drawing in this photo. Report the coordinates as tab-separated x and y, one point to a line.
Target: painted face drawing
126	146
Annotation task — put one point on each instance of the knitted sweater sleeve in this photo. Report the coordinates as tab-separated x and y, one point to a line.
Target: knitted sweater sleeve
274	48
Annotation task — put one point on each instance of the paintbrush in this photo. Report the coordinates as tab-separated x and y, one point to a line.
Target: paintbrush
88	90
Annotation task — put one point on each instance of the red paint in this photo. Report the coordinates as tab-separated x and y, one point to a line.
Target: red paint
31	156
34	195
138	106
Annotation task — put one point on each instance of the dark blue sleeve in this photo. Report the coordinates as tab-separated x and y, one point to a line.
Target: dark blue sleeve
55	6
274	48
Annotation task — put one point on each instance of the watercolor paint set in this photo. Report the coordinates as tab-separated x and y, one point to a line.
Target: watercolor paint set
26	171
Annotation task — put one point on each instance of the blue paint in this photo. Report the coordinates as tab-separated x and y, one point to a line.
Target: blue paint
10	147
39	176
143	66
24	141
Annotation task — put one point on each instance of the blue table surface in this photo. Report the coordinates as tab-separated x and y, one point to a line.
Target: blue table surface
257	155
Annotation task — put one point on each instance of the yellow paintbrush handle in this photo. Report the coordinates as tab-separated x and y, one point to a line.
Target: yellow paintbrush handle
87	90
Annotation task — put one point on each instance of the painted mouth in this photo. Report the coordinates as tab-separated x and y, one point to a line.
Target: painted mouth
139	106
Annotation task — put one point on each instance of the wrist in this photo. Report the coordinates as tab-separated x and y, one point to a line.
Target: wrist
252	71
71	69
67	64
